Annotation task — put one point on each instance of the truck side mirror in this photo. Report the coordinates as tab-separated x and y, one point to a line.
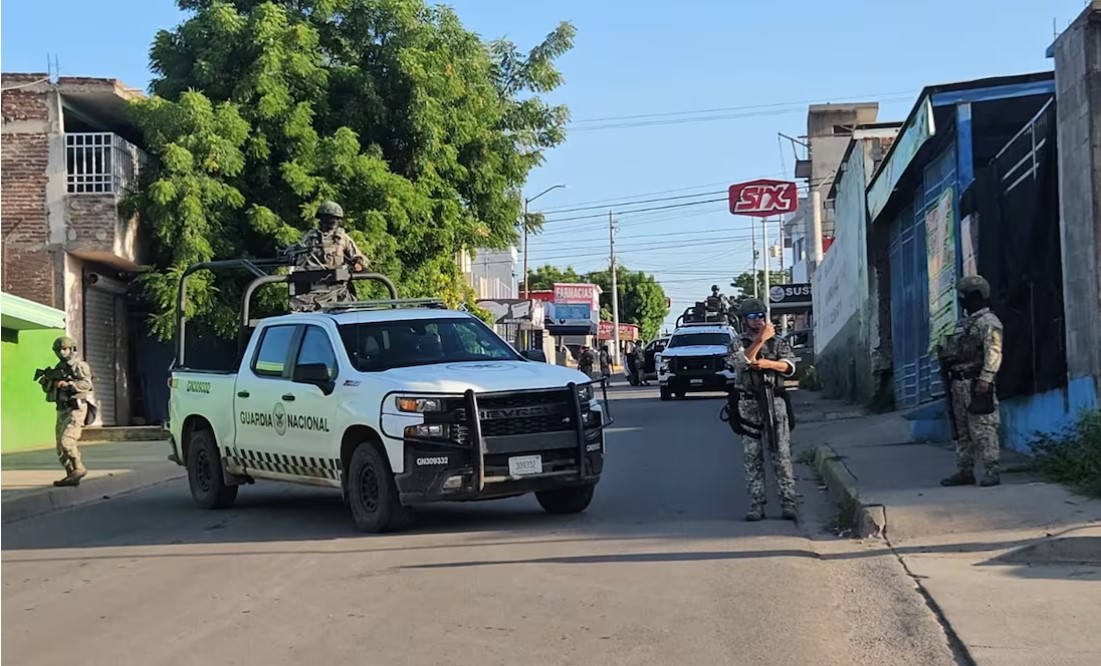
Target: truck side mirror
316	374
537	355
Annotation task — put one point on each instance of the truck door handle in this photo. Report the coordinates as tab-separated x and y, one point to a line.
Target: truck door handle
289	397
242	394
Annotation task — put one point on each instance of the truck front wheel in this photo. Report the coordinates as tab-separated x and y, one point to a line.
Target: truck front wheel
372	493
204	472
566	500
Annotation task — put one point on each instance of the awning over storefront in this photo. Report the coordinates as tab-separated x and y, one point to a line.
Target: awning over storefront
20	314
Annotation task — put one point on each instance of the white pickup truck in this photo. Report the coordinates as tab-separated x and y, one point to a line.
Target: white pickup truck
395	403
695	360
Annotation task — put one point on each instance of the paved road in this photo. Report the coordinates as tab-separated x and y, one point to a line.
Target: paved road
660	570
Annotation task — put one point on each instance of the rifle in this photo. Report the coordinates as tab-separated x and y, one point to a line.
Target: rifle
765	393
48	378
947	354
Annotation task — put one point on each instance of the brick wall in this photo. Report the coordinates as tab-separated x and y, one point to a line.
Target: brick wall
91	220
28	269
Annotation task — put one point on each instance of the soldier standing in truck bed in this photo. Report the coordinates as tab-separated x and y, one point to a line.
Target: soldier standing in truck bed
326	247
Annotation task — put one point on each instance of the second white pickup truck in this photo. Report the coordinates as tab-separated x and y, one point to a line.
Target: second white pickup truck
395	404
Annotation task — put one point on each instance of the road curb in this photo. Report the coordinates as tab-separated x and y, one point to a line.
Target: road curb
54	499
864	519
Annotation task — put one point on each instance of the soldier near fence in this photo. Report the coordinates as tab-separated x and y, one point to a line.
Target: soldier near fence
763	361
326	248
69	386
970	359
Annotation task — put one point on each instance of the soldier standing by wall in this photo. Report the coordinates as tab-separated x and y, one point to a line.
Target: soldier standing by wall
973	356
763	361
69	386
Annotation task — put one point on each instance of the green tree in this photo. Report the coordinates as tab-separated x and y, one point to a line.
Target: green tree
641	299
262	109
544	277
744	284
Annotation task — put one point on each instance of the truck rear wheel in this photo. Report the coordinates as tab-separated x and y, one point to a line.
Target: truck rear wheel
372	493
204	472
566	500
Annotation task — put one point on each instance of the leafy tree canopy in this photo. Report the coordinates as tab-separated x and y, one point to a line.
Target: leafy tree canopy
544	277
263	109
744	283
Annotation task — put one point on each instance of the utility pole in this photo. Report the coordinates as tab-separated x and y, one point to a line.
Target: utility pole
764	243
528	200
753	237
615	286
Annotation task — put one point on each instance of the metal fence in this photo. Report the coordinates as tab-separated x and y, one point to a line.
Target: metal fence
101	163
1020	159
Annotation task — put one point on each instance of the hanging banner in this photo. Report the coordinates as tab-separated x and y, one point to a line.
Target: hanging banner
940	239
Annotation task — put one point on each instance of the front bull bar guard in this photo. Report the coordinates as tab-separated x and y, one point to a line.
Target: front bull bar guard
477	441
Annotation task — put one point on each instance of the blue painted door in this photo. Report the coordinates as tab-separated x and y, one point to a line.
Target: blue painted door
916	377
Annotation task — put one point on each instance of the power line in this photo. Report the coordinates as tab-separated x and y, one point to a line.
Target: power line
740	108
633	203
701	119
641	210
650	194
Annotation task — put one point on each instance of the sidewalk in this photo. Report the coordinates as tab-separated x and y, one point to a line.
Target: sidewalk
1015	570
26	477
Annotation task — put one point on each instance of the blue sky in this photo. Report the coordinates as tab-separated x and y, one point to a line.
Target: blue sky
649	57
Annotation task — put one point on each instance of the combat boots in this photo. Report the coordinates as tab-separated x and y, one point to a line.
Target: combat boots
755	513
990	479
72	478
787	511
959	479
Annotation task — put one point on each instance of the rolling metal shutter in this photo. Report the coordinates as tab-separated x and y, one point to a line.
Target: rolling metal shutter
104	324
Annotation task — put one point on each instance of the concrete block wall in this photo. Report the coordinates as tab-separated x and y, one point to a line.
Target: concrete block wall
1077	54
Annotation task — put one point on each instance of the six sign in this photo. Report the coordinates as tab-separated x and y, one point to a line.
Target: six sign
762	198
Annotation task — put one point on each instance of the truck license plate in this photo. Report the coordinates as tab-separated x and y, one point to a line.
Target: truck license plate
525	465
697	381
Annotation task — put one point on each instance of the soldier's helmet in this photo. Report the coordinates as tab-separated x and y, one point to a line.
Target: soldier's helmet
714	288
751	305
64	342
974	283
330	209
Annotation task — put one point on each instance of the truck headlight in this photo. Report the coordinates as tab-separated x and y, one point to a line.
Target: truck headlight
663	365
585	393
418	405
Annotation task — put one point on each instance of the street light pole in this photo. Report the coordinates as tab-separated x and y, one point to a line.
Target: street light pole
527	285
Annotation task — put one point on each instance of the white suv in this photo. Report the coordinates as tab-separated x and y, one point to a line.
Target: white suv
695	360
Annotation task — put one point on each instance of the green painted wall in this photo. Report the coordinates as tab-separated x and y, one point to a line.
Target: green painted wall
27	419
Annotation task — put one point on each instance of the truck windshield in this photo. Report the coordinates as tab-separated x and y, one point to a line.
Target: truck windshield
699	339
383	345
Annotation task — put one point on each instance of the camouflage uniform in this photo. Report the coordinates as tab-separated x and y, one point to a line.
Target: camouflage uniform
328	247
974	353
586	360
775	349
72	402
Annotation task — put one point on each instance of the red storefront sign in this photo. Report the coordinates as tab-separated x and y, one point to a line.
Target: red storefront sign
762	198
626	331
588	294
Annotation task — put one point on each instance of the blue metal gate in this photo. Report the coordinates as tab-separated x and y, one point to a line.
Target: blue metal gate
916	376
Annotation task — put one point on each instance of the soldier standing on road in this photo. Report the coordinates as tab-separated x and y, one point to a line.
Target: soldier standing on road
327	247
70	388
764	358
973	356
586	360
605	363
